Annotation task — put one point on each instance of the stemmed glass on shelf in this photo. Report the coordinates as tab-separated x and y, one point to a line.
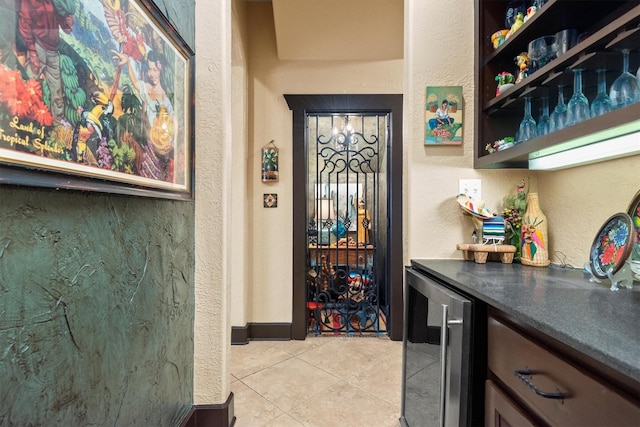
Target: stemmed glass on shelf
578	106
544	121
625	90
601	103
560	116
527	129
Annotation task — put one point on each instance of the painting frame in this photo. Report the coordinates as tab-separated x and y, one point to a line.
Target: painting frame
443	129
122	122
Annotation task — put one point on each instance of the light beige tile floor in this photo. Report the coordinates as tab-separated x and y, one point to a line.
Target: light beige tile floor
321	381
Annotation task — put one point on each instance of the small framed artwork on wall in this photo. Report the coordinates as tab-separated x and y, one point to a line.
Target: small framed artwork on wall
443	115
270	162
270	200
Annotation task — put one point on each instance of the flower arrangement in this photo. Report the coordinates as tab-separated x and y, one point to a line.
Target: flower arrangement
514	207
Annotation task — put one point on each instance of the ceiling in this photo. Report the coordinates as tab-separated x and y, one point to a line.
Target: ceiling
339	29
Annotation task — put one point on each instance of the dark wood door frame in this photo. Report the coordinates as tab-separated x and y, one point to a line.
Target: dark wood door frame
301	105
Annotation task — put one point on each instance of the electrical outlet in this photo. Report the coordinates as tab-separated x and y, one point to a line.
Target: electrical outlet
470	187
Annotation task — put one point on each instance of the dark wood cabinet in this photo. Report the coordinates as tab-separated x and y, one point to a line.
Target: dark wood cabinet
533	383
607	28
502	411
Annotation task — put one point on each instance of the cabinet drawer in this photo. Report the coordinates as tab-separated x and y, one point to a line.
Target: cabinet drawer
586	401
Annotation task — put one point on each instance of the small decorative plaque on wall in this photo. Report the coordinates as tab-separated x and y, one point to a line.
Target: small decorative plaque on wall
270	200
270	162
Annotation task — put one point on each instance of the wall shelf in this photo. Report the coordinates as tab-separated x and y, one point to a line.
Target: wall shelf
610	26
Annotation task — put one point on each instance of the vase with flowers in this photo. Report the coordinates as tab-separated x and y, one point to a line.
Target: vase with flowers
514	207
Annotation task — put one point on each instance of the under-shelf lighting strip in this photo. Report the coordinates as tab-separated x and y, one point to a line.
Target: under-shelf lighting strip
619	146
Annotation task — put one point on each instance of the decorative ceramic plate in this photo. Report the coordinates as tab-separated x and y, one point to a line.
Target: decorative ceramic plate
634	213
612	245
473	206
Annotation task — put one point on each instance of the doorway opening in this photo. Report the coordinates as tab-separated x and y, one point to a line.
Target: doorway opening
346	201
347	214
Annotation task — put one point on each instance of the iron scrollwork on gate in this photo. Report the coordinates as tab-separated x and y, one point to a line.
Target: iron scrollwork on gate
343	292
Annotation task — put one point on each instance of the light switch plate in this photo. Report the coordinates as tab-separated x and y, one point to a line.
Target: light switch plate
470	187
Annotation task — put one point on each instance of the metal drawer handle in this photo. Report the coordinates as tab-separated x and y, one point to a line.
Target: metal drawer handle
524	373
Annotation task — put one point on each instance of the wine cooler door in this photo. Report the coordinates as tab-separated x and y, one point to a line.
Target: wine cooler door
436	349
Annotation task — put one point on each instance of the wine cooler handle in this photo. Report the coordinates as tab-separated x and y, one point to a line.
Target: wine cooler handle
444	348
444	345
524	373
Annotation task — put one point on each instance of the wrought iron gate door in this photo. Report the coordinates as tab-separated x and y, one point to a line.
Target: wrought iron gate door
346	211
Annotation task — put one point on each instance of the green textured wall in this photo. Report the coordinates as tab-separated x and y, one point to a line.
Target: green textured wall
97	302
96	309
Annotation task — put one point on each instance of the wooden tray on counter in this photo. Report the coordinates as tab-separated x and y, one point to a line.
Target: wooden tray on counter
481	253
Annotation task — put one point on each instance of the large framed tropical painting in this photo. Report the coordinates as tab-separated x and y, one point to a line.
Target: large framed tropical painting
95	95
443	115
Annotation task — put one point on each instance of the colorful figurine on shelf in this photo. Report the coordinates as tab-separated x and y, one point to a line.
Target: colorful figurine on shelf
522	61
505	81
516	25
501	144
498	38
530	12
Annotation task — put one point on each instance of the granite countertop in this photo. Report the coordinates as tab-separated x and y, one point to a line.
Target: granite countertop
560	302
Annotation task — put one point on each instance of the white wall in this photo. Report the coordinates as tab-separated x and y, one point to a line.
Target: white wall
269	248
212	329
439	52
241	233
578	201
